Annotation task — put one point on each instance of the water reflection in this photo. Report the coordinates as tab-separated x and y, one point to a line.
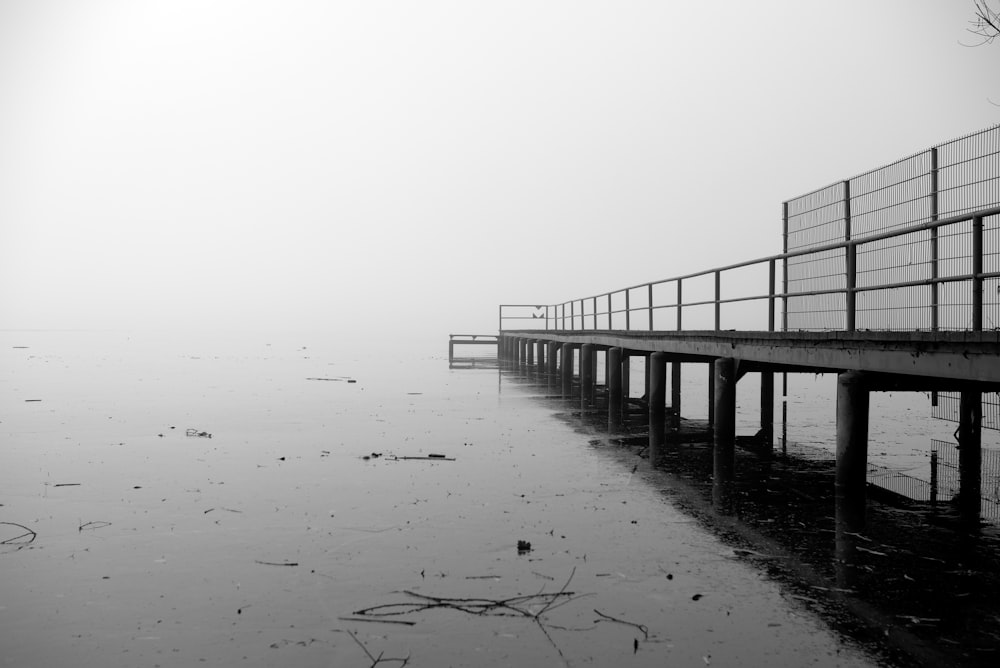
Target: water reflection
909	574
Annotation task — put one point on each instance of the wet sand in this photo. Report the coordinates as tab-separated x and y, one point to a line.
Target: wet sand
264	544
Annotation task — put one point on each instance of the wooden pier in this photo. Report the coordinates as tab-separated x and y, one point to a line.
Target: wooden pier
887	279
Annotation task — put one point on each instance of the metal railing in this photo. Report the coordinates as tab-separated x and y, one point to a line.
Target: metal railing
745	295
908	246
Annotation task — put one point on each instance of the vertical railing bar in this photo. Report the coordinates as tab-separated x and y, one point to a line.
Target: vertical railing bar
610	324
628	310
595	313
718	299
977	274
784	267
649	305
680	305
935	288
770	298
850	265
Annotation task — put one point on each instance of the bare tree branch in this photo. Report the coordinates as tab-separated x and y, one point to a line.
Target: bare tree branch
986	24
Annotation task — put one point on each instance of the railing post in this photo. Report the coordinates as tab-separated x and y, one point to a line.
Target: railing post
977	274
680	307
595	313
850	266
784	267
609	312
718	296
935	286
649	303
628	311
770	291
572	314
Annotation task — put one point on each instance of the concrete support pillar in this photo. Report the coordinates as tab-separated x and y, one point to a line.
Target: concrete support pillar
724	431
587	374
613	363
645	388
529	353
567	369
552	357
656	371
767	409
852	449
675	395
522	353
540	356
711	398
626	377
970	455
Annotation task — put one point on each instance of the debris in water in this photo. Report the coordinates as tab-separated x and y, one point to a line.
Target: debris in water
340	379
67	484
276	563
197	434
523	547
99	524
21	539
641	627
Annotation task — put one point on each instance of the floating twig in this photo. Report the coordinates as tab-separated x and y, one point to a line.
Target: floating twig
197	434
432	457
99	524
276	563
17	540
641	627
378	659
377	621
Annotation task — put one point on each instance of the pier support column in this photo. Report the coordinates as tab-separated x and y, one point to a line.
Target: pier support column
540	356
767	410
552	359
675	395
852	449
587	374
529	353
626	378
613	363
724	431
567	369
711	398
656	368
970	455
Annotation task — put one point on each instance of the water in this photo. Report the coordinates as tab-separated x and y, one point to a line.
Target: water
261	544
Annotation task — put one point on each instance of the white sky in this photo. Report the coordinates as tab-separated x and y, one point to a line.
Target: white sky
322	165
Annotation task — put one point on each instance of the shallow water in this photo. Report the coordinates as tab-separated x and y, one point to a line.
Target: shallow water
155	548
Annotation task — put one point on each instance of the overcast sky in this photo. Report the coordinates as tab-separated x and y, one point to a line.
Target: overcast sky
318	165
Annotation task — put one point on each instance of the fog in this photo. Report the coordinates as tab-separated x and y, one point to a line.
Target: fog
379	168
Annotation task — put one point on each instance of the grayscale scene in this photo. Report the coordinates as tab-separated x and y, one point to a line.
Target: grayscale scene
457	333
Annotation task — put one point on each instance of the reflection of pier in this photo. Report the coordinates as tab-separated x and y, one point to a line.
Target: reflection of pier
890	279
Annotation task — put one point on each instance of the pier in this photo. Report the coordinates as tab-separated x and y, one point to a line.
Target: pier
888	279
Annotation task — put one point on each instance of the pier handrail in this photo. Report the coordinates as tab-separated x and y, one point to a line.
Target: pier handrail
574	314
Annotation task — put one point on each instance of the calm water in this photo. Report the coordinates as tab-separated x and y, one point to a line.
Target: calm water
259	546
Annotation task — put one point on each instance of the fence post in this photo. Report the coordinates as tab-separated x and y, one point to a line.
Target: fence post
977	274
770	292
628	310
784	267
850	266
718	296
649	302
935	287
680	300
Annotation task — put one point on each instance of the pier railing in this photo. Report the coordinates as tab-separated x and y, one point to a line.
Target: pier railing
956	290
